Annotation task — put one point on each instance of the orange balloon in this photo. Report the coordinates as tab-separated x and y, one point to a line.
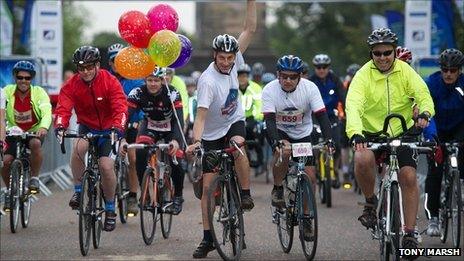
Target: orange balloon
133	63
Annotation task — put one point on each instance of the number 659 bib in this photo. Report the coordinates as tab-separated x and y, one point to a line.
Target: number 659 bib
289	117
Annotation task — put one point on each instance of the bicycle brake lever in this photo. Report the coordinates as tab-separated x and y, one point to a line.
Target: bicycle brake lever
237	147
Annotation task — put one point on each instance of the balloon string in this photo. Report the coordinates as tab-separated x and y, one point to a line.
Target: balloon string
175	113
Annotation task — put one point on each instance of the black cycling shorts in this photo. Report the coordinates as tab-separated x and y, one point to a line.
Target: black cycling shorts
236	129
405	157
131	135
310	161
104	145
12	145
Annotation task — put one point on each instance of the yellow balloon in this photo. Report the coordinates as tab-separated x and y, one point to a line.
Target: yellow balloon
164	47
133	63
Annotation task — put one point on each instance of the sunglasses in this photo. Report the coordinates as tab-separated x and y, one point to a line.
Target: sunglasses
27	78
322	67
289	76
379	53
88	67
451	70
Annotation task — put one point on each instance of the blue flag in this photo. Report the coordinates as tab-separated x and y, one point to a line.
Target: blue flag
442	26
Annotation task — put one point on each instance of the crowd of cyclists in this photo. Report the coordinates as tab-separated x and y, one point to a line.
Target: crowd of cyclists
233	101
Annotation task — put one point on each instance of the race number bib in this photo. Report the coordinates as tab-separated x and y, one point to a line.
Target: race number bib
23	117
159	125
302	149
289	117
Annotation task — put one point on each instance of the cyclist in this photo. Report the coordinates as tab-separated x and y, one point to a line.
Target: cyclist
257	73
382	86
268	77
159	123
192	108
331	89
305	72
404	54
27	107
447	89
180	86
288	104
250	94
2	120
131	131
219	117
100	105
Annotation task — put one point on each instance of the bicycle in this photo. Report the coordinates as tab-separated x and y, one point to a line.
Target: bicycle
122	187
157	191
225	214
326	176
91	206
450	202
20	175
299	198
389	210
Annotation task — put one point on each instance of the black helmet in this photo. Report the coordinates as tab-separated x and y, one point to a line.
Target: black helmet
86	54
258	69
382	36
24	66
451	58
305	68
244	68
321	59
225	43
352	69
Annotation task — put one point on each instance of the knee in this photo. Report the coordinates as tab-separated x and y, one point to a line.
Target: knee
408	177
7	160
106	167
36	146
363	159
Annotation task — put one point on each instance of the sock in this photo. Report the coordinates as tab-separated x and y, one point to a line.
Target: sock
246	192
132	194
207	236
109	205
78	188
277	187
409	230
372	200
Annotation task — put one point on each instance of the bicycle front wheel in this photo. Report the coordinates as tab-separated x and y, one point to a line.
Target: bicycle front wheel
148	207
166	218
455	209
122	189
97	223
395	221
25	201
285	220
15	194
225	218
86	208
444	214
307	216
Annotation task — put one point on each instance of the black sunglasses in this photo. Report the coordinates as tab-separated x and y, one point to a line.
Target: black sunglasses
322	67
289	76
27	78
379	53
451	70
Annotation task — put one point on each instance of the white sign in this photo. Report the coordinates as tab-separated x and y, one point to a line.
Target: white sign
302	149
418	20
378	21
47	40
6	29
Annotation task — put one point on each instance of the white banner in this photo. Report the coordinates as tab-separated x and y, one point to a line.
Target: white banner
6	29
47	40
417	31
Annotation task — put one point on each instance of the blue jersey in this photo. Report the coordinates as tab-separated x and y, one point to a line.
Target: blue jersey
331	91
128	85
448	100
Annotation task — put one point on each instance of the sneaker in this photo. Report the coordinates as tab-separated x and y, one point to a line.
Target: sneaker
6	206
336	184
433	229
75	201
369	217
308	231
132	206
110	221
34	185
409	241
176	207
203	249
247	202
277	197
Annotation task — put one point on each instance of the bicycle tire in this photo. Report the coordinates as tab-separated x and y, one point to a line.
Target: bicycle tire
166	218
122	189
384	244
86	207
25	202
229	215
190	172
444	213
455	208
15	172
148	211
305	194
395	220
328	191
285	227
97	224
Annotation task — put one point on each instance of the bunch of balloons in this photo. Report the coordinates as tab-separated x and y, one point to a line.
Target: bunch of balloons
153	42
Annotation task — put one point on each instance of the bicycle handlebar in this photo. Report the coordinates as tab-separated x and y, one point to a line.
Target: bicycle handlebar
419	146
161	146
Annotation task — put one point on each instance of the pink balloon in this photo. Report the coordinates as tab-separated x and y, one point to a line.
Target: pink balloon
134	27
163	17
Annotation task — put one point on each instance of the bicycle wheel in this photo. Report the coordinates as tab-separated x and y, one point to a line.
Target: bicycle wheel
15	172
225	219
384	243
328	190
97	223
86	207
148	208
25	201
122	189
307	217
444	213
166	218
285	220
455	209
395	221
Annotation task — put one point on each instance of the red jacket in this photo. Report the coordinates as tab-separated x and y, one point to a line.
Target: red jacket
99	105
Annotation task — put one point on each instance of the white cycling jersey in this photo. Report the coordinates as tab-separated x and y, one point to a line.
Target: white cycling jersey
293	109
219	94
2	99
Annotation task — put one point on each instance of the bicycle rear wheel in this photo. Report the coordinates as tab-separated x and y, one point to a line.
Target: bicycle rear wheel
148	208
86	207
122	189
328	190
307	217
285	220
455	209
15	172
97	223
395	220
25	201
166	218
226	219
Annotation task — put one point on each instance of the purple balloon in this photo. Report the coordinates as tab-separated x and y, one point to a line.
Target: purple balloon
185	52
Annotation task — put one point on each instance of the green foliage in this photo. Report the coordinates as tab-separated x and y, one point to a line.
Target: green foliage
104	39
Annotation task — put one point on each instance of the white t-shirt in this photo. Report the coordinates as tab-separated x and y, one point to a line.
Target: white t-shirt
2	99
219	94
293	110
